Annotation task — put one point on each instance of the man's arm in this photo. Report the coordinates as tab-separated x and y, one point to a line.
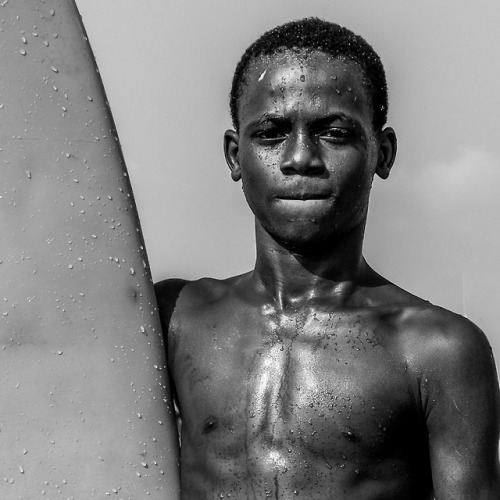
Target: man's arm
167	292
459	390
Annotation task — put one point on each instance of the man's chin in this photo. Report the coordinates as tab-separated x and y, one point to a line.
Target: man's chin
301	242
310	238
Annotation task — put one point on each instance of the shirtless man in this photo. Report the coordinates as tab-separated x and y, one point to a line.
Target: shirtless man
312	376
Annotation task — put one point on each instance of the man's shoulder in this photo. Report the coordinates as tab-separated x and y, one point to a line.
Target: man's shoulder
427	326
435	324
190	296
435	337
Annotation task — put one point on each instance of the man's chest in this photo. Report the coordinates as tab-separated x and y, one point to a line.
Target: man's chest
328	381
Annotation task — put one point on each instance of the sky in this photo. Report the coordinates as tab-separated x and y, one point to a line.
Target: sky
433	226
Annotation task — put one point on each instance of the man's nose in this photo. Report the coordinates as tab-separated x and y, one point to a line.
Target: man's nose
302	156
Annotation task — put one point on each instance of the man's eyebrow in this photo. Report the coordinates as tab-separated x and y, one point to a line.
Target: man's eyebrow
267	117
335	116
321	120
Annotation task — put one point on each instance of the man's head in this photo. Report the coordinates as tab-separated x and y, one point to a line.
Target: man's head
313	34
309	140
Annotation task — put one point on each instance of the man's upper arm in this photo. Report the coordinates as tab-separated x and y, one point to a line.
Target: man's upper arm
167	293
460	393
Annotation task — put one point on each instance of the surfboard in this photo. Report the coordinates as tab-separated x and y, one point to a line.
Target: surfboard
85	408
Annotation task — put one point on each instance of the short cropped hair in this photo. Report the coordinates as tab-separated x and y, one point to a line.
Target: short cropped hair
316	34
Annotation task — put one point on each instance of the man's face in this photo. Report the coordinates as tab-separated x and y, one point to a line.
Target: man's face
307	150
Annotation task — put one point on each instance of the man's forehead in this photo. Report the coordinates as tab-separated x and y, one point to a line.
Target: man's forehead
282	72
285	65
314	83
303	58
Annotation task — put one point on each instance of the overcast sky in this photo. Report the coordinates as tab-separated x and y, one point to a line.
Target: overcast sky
434	225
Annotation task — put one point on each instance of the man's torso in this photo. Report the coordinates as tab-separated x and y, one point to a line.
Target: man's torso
312	403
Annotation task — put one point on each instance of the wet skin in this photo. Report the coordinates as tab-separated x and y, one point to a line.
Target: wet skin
312	376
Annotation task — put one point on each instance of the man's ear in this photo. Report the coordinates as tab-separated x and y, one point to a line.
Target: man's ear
231	148
388	146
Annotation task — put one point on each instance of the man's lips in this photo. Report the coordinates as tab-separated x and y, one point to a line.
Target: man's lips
303	196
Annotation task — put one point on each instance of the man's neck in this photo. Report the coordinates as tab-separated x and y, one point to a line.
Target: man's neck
289	277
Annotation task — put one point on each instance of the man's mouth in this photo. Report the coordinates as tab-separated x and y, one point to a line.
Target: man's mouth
303	196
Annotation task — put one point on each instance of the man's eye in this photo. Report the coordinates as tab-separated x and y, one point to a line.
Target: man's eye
270	135
336	134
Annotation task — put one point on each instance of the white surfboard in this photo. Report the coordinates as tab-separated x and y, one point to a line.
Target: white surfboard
85	408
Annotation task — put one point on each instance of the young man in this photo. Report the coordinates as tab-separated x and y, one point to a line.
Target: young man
312	376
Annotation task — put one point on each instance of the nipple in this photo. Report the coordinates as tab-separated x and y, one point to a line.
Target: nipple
211	423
